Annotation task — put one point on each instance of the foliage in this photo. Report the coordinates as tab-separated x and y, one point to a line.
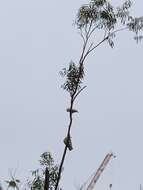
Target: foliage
74	75
37	180
101	15
99	18
38	176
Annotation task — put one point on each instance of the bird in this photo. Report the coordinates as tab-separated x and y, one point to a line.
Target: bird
72	110
67	141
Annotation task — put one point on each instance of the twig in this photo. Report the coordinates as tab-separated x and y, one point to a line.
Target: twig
104	39
90	50
79	92
81	34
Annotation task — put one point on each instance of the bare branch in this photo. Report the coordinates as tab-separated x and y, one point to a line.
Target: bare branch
82	36
79	92
90	50
119	30
104	39
93	30
66	145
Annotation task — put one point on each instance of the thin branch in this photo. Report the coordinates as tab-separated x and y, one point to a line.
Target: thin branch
85	44
66	145
97	45
60	168
79	92
120	29
105	33
89	29
82	36
83	50
104	39
93	30
85	28
90	47
90	50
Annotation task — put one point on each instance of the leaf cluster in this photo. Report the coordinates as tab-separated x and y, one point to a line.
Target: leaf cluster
102	15
94	16
37	182
74	76
38	176
136	25
98	13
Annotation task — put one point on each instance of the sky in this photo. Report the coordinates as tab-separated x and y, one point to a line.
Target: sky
38	39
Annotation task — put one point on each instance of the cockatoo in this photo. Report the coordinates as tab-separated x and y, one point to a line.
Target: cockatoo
73	110
68	143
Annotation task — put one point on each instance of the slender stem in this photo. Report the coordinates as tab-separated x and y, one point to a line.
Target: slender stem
79	92
83	50
104	39
66	145
81	34
60	168
85	40
119	30
90	50
93	30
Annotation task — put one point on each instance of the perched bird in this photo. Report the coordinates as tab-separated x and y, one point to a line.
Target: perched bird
72	111
68	143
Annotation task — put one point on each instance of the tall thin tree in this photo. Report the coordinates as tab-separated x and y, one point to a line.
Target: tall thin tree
97	22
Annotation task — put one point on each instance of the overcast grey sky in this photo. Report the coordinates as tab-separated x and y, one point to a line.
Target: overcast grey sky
37	39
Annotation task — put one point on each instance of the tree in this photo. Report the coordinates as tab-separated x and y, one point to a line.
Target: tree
97	22
46	176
